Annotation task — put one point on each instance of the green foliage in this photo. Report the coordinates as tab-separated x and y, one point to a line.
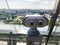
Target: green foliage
14	17
57	24
17	22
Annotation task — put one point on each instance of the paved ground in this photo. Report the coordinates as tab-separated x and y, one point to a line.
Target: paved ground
3	43
19	43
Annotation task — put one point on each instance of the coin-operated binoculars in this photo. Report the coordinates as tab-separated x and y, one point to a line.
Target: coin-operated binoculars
33	36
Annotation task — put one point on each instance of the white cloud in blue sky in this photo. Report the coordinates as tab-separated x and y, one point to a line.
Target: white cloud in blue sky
28	4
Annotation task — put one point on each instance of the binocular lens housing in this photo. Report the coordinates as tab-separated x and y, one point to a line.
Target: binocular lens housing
40	23
32	23
35	21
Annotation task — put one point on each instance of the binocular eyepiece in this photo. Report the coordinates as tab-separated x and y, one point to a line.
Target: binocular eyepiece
40	23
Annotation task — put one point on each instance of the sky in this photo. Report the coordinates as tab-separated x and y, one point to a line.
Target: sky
27	4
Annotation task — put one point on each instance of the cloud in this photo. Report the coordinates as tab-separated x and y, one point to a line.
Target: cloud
3	5
21	5
31	0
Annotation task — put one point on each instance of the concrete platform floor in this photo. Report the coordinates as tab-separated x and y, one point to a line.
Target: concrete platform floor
19	43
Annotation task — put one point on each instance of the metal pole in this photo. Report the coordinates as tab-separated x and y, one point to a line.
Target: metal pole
11	40
53	20
9	10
